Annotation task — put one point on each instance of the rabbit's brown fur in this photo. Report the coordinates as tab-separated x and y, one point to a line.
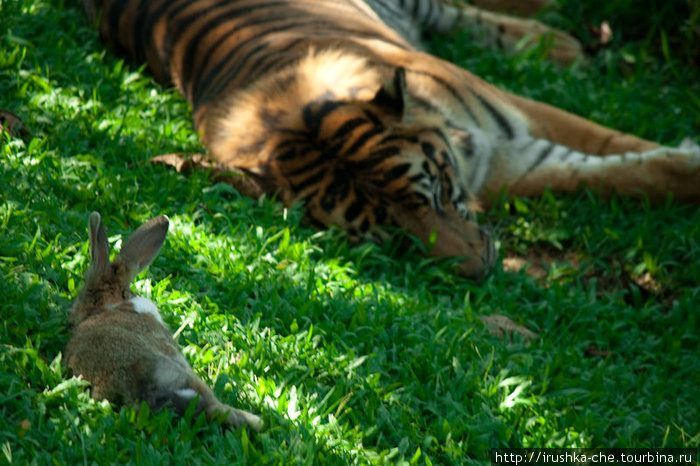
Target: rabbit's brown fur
120	344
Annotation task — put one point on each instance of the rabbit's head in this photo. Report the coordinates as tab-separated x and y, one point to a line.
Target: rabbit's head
108	283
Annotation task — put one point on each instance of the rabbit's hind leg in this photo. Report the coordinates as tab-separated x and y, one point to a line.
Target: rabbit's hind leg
213	408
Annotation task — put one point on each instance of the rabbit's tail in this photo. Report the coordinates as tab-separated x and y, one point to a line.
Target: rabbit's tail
181	399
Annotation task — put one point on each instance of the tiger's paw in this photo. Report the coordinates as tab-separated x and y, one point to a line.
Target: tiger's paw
560	46
675	169
688	155
691	146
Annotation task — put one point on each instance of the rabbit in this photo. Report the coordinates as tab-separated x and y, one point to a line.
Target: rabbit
120	343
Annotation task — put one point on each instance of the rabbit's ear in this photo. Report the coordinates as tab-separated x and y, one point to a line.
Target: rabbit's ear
99	247
143	245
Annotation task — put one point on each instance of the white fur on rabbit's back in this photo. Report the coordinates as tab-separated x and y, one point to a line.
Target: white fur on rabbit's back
146	306
142	305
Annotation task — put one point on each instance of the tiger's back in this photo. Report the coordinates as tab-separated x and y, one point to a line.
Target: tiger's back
208	48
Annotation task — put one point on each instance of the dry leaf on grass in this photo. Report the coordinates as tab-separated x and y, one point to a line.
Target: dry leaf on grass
12	124
185	164
500	326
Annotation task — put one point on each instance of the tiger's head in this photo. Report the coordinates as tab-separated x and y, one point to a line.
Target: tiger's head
367	163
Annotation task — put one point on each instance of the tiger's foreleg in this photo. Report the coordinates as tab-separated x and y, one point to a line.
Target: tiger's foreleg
561	127
527	166
563	151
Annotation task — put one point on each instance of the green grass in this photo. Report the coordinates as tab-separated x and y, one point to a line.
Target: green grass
351	353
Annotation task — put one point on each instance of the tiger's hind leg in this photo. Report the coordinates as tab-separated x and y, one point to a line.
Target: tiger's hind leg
513	7
502	31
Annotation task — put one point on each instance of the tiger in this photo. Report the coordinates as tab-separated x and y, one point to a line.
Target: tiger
335	105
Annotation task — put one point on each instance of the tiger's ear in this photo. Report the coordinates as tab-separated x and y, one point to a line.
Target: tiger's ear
392	96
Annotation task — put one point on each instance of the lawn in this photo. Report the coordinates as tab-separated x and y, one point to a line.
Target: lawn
351	353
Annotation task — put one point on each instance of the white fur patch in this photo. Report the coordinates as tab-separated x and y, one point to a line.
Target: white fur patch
145	306
186	393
